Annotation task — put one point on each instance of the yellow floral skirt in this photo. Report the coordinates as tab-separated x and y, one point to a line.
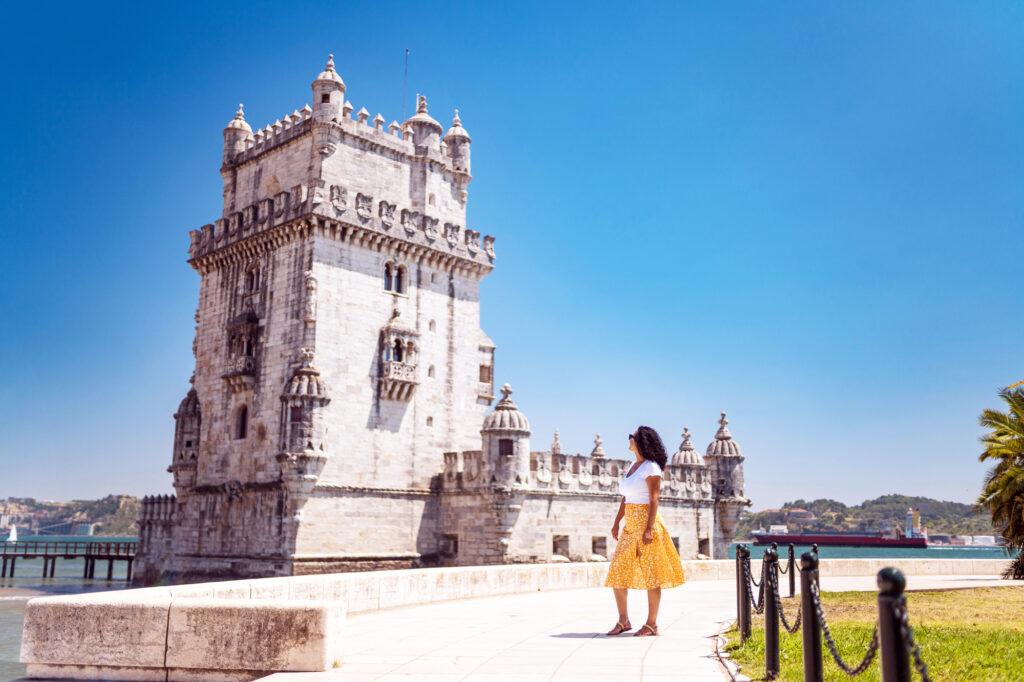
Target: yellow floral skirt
637	566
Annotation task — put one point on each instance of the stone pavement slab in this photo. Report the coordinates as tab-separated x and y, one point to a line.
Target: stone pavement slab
551	636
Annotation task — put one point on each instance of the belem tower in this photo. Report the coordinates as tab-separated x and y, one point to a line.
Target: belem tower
340	411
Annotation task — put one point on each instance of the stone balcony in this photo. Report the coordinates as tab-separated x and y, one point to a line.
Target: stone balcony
240	373
398	380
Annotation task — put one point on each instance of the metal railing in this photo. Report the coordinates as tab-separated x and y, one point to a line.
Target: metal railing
892	639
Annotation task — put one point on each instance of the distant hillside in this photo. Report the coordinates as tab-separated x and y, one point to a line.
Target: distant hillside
115	514
952	518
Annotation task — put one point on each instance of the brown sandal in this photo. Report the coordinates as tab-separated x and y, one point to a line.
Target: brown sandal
640	633
619	628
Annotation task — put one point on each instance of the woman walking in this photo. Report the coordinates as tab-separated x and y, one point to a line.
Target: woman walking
645	558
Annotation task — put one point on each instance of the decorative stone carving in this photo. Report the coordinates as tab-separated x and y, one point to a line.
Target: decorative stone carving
544	468
387	214
310	296
472	241
339	198
451	234
364	206
280	204
264	208
556	445
409	220
430	227
564	475
471	466
489	246
586	478
598	451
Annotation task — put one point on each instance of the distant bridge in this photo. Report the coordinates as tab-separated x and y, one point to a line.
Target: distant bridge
49	552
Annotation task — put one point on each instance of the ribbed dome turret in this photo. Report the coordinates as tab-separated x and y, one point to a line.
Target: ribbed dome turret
329	75
686	455
239	123
306	382
723	445
189	405
506	416
457	131
421	117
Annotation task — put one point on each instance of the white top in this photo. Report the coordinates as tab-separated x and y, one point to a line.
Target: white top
634	487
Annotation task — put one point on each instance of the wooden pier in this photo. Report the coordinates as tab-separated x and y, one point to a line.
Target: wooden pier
49	552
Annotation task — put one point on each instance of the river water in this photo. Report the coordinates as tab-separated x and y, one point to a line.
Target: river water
15	592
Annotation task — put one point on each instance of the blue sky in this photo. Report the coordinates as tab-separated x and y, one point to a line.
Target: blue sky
806	214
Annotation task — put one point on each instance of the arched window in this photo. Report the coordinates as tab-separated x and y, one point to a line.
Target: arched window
400	277
430	371
397	352
247	348
250	281
388	277
430	421
242	423
432	326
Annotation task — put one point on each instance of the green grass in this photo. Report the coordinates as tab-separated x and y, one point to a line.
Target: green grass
964	635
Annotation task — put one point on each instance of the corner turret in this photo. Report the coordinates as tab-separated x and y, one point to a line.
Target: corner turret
328	93
426	131
725	467
506	443
237	137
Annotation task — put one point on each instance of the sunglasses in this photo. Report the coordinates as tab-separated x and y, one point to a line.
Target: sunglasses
632	437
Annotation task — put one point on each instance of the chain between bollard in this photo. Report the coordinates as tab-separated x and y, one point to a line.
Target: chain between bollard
836	656
907	635
758	604
782	614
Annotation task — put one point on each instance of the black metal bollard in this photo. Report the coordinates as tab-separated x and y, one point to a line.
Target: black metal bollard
743	617
895	653
814	669
792	573
772	664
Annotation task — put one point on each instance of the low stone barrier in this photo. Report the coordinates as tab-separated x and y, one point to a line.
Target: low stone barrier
247	629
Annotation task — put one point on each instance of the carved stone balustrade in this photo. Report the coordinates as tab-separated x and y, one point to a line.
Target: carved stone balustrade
240	373
398	380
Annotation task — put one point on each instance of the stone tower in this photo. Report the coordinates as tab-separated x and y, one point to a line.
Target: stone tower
725	463
338	347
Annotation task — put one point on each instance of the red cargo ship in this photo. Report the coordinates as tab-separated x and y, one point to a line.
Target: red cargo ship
839	540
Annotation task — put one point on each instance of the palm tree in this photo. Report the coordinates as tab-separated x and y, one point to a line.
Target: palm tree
1003	491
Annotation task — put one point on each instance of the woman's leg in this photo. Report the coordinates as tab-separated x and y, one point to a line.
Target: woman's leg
653	603
620	603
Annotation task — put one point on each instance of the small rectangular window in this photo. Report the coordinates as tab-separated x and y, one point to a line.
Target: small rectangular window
560	545
704	547
325	98
505	447
449	545
675	542
296	413
485	374
599	545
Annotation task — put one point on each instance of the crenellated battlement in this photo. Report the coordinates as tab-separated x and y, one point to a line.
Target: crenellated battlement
158	508
353	209
555	473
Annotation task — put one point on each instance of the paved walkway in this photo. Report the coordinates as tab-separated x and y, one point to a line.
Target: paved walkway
556	636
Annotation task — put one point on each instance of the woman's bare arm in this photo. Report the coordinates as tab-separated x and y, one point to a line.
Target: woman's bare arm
654	488
618	518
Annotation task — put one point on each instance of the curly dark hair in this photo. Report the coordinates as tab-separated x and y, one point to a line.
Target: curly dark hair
648	442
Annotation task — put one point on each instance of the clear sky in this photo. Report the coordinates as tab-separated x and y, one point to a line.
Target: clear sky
809	215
